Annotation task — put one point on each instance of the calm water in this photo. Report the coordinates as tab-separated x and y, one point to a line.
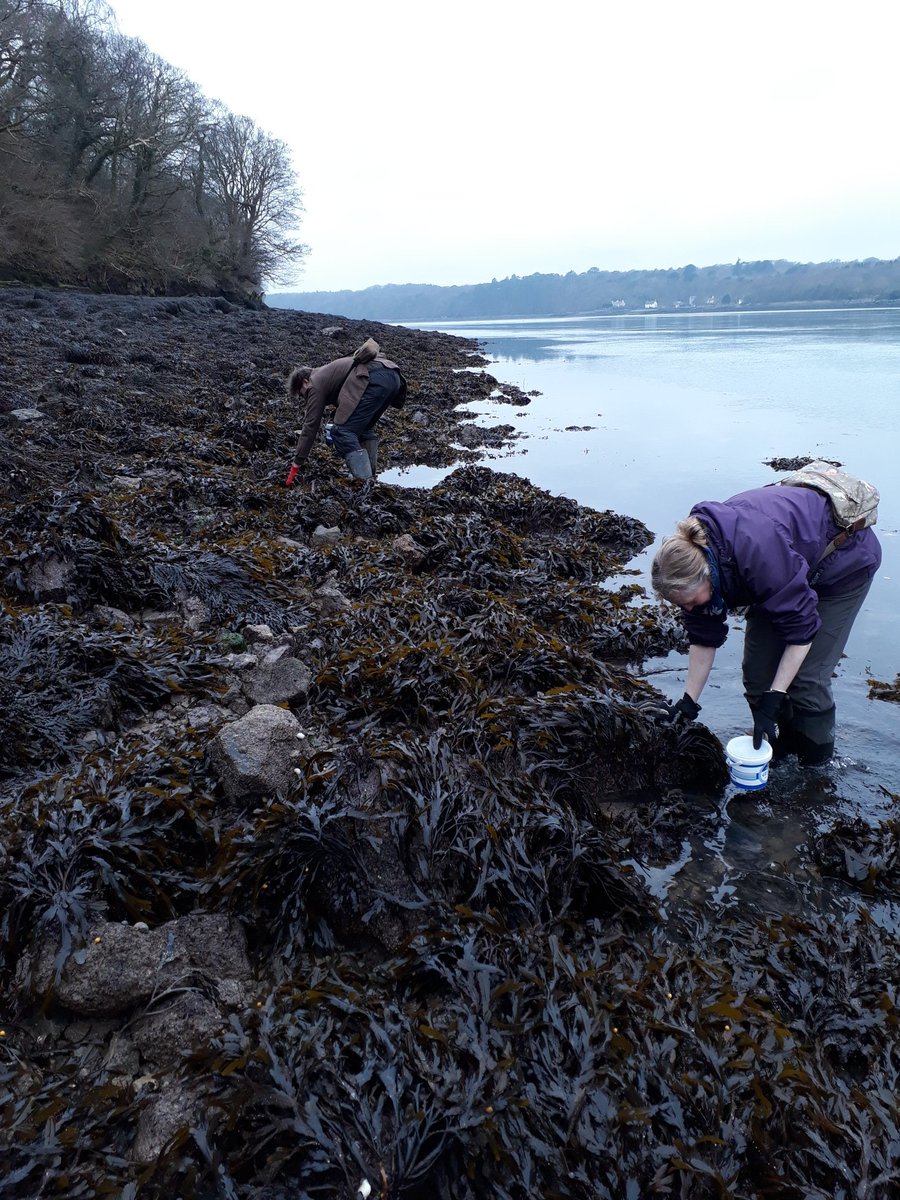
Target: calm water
686	407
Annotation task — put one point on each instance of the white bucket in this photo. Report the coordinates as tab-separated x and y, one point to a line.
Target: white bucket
749	768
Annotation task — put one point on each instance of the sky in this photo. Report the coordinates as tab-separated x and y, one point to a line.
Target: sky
453	143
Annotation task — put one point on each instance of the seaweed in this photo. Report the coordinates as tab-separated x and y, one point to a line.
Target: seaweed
460	985
127	834
59	685
885	691
865	855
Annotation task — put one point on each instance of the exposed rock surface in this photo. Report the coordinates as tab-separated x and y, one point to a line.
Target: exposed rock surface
256	754
122	966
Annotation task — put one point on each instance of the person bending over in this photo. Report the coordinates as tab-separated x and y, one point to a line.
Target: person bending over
359	387
763	550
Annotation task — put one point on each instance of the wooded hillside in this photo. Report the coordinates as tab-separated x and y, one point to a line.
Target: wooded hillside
739	284
117	173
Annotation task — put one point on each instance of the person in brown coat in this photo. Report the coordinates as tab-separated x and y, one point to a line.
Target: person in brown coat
360	387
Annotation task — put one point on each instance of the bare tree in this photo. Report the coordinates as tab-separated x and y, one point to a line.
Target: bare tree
248	193
115	171
17	63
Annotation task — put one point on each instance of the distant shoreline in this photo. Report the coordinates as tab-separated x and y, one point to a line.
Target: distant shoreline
605	314
763	286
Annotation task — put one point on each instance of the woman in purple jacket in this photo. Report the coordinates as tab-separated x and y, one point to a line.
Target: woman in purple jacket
762	550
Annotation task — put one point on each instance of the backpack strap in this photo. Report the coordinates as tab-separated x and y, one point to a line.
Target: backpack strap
836	542
843	537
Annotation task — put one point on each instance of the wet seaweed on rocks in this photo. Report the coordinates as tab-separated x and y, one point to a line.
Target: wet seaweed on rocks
128	833
878	690
58	684
865	855
323	853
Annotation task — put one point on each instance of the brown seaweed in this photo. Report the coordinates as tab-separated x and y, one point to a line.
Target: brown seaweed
463	988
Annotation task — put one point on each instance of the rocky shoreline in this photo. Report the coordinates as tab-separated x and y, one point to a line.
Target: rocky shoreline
309	879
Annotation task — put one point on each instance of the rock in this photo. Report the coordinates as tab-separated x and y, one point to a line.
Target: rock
292	545
111	618
232	641
154	616
325	537
241	662
122	1057
196	614
26	416
470	435
180	1024
254	755
202	716
235	702
408	550
332	331
52	579
232	993
121	967
258	633
161	1118
418	418
127	482
278	682
330	599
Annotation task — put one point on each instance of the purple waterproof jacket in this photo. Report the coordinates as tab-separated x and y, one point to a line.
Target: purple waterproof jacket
766	542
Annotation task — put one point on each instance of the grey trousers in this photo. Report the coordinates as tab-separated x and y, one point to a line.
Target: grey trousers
811	691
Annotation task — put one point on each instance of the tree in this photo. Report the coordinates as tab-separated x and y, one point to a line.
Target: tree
115	171
246	190
18	65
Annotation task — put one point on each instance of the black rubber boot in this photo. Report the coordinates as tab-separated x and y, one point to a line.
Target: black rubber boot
785	743
370	445
813	736
358	462
813	754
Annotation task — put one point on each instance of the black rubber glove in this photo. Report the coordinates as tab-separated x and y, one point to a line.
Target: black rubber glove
768	710
679	713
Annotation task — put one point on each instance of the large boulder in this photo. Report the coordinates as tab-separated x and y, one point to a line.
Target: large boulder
122	965
256	754
278	679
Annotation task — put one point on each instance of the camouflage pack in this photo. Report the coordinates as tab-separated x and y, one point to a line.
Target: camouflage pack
854	501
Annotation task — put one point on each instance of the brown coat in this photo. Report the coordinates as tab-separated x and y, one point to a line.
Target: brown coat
332	385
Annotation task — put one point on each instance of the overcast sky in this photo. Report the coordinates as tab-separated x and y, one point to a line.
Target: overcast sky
457	142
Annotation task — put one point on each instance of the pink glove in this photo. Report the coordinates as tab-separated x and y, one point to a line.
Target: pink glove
292	475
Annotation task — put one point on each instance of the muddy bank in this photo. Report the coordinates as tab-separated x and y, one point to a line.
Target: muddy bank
310	877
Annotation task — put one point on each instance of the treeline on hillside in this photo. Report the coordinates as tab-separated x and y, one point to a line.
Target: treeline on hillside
118	173
744	284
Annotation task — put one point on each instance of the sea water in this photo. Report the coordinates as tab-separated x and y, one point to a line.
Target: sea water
647	414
